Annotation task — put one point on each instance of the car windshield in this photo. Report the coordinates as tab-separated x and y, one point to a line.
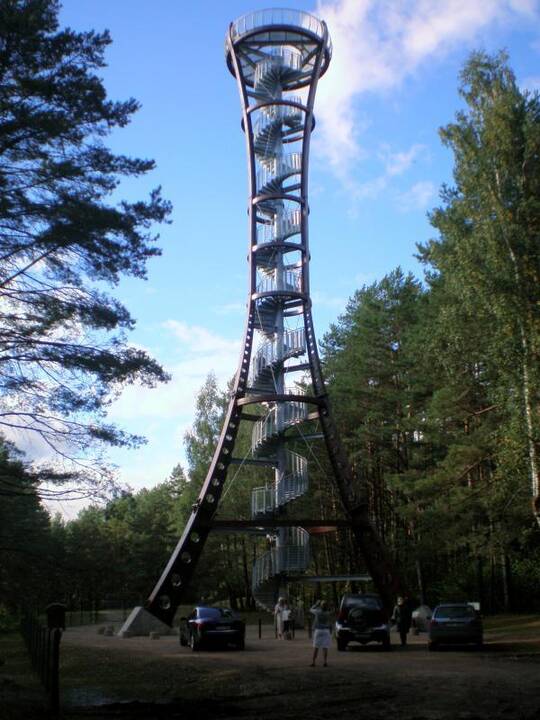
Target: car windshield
215	613
452	612
370	603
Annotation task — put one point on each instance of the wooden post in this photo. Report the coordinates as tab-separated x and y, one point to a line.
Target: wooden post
47	661
54	689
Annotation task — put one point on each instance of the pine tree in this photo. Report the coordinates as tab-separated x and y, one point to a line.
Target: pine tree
370	362
63	350
489	225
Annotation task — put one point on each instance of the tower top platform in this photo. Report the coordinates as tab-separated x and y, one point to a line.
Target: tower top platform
277	27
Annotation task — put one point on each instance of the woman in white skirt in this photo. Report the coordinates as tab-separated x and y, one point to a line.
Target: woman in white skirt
322	631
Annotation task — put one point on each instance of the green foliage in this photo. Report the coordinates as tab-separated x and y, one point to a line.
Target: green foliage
486	257
373	379
26	570
63	350
8	621
436	389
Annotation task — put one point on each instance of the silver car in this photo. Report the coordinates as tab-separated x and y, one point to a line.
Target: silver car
457	623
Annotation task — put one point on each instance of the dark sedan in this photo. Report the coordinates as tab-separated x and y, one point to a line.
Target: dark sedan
457	623
207	626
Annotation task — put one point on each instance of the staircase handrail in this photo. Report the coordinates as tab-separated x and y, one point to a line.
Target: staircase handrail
294	412
294	343
290	225
276	16
292	281
280	57
279	168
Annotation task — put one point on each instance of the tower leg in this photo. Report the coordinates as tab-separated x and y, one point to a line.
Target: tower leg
141	622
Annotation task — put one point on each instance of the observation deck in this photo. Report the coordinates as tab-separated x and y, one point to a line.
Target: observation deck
286	33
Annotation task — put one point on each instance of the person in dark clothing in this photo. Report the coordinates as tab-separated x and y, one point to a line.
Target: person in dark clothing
402	617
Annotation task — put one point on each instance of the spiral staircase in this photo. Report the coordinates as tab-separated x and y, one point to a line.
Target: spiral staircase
278	296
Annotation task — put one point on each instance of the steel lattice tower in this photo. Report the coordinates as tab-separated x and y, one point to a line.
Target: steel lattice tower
277	58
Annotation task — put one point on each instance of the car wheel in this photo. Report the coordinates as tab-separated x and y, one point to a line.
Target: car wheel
341	644
194	643
432	645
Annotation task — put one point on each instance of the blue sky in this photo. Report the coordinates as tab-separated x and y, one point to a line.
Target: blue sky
376	166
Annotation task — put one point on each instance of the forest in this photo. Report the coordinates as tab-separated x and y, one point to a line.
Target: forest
434	380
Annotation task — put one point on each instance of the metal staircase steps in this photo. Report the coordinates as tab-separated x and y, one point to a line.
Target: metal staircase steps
278	288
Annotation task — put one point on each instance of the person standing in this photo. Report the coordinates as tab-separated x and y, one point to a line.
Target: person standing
286	617
402	617
278	616
322	631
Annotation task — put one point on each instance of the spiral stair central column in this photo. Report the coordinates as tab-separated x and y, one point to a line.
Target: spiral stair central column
281	458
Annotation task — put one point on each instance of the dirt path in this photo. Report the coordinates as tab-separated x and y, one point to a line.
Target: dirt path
272	678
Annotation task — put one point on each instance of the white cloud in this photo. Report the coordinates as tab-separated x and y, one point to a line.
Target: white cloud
418	196
527	7
322	299
201	352
377	44
363	278
399	162
395	164
35	448
164	413
368	190
531	83
199	339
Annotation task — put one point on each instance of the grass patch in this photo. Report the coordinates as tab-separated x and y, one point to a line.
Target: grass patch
21	694
94	676
514	625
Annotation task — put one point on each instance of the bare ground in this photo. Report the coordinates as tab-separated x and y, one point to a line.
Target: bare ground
140	677
109	677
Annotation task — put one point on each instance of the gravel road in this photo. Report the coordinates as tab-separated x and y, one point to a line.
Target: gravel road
140	677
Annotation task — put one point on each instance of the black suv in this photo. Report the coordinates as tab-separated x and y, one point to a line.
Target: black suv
363	619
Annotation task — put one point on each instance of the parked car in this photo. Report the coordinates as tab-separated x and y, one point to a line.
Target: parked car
455	623
363	619
421	618
206	626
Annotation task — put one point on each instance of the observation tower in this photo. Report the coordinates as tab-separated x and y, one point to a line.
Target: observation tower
277	58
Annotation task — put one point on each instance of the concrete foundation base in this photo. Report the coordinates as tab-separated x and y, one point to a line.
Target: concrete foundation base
141	622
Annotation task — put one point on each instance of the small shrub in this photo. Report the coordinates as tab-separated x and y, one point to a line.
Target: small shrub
8	621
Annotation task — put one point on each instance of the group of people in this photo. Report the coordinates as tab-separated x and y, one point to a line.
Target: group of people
283	617
322	624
